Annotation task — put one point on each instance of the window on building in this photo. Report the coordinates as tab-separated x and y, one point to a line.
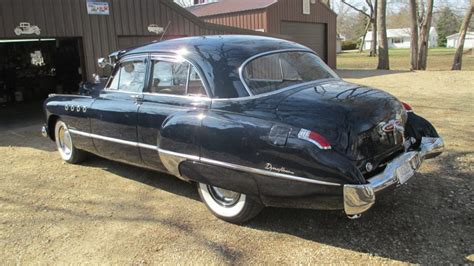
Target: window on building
306	7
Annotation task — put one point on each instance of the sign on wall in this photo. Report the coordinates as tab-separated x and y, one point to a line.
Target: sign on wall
97	8
153	28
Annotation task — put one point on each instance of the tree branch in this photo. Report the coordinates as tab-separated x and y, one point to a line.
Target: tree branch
357	9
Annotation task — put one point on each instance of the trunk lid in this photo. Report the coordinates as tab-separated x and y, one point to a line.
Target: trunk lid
350	117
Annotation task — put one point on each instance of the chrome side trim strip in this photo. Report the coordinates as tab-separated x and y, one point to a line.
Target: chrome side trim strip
172	159
267	173
115	140
182	155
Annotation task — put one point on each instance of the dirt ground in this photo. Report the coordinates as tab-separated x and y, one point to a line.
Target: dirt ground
107	212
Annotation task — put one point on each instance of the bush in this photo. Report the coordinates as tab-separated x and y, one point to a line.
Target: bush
349	45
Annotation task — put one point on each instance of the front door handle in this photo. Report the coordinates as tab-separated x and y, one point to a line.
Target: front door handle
138	98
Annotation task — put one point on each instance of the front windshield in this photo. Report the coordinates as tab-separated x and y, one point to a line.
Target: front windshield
280	70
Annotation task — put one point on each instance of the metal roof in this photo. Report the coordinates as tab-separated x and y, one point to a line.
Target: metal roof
228	6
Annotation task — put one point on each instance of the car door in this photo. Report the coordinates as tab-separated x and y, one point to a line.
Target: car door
114	113
174	97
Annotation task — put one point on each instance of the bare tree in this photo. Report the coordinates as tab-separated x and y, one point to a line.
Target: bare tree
425	26
382	33
372	17
457	64
414	35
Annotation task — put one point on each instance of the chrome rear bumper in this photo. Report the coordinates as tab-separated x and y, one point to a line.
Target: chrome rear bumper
359	198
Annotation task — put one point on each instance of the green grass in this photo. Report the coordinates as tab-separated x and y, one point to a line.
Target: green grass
438	59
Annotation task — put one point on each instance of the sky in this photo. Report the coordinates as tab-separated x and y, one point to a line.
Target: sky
456	5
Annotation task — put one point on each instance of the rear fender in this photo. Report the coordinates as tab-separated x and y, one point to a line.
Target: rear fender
418	127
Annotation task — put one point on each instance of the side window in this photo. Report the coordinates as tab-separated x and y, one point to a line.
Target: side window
175	78
129	76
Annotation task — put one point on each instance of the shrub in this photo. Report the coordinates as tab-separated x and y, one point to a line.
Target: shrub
349	45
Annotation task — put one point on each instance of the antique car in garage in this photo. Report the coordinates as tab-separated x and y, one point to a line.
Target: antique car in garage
252	121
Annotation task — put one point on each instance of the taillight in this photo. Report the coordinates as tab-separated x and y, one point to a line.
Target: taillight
407	107
314	138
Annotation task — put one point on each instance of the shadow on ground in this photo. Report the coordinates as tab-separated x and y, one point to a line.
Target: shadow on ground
418	223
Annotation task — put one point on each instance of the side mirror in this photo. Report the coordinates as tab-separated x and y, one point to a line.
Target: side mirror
102	62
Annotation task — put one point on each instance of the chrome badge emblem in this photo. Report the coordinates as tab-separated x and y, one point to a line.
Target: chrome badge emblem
271	168
392	126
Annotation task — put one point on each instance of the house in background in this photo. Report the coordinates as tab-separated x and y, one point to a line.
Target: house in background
339	39
452	40
400	38
308	22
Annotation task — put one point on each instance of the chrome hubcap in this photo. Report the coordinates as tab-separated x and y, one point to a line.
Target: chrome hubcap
224	197
65	142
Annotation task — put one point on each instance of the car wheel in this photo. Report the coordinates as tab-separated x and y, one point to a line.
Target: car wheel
228	205
65	146
17	31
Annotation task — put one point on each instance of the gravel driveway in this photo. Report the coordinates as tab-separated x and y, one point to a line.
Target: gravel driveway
107	212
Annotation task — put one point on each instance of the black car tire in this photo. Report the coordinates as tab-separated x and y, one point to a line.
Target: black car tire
242	210
69	153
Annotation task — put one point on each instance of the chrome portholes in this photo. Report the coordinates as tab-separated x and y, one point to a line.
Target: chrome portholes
76	108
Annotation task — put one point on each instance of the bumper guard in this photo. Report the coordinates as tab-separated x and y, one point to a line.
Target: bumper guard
359	198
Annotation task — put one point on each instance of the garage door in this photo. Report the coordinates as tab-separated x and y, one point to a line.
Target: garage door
312	35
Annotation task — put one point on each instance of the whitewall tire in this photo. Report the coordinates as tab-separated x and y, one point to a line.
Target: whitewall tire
65	145
229	205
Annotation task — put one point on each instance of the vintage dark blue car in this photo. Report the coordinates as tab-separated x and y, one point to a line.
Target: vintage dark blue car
252	121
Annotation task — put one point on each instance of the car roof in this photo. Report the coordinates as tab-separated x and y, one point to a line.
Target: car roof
218	56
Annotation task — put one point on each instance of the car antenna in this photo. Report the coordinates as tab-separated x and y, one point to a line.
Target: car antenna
164	32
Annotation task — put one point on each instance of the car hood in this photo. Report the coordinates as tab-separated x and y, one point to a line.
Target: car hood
341	112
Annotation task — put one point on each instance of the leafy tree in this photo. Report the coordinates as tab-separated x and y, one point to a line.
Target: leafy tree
448	23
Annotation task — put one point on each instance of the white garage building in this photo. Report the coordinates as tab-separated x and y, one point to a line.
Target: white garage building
400	38
452	40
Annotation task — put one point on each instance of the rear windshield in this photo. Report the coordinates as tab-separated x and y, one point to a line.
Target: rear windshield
279	70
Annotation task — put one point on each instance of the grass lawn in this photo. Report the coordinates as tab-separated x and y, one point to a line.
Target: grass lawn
438	59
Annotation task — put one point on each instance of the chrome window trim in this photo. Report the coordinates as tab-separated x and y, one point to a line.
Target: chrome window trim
117	64
169	58
204	160
178	58
244	64
313	82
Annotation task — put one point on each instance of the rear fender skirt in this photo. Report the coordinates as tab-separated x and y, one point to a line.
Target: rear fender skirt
226	178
